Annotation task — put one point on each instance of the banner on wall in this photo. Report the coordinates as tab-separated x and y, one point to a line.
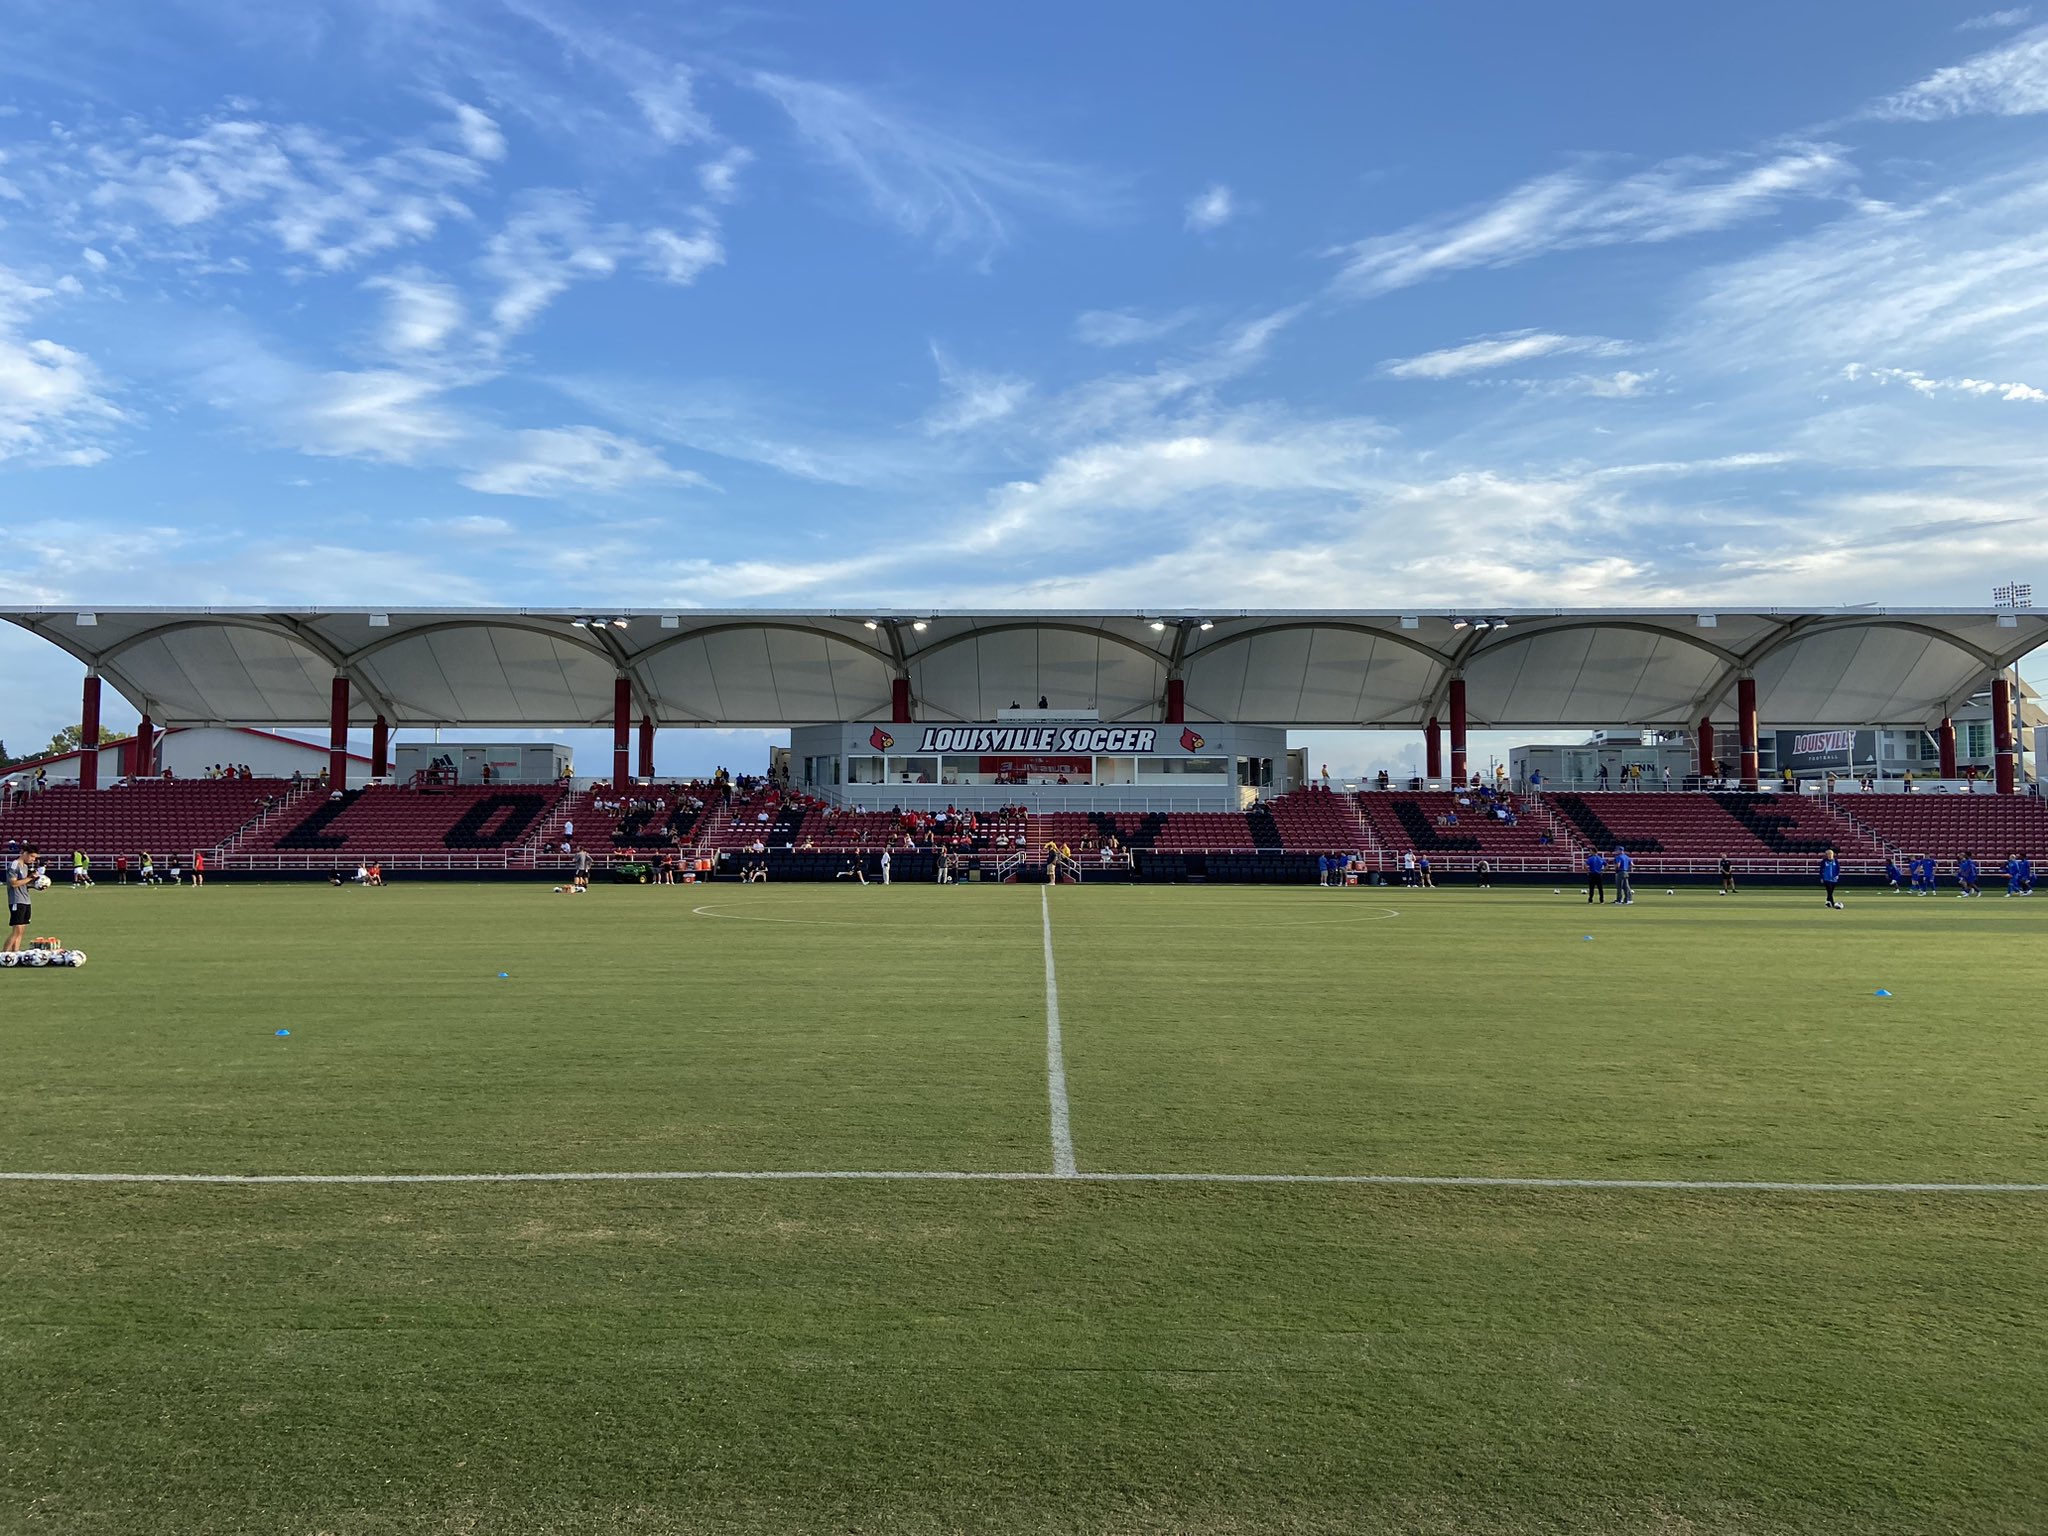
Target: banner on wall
1799	750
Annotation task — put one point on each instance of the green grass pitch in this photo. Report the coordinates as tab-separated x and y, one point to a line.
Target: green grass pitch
1033	1356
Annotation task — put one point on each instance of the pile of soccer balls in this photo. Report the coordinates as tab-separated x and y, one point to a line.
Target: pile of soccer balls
40	954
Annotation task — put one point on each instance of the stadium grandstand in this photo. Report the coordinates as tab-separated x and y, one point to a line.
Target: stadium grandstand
1132	745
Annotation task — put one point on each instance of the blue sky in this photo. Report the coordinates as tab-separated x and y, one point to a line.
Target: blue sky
531	301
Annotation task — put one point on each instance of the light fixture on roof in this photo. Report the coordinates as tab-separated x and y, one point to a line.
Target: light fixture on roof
1410	621
1208	624
1482	623
921	625
87	620
1708	621
620	623
1500	623
671	621
871	624
1457	623
1159	624
380	621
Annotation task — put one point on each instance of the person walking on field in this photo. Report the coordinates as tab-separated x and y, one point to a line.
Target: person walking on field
1624	882
199	868
1830	877
1727	875
1596	879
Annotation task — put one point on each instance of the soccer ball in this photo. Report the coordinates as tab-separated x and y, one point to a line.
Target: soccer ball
74	957
9	959
31	958
42	883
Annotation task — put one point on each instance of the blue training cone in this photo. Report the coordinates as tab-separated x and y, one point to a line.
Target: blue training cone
284	1031
1589	938
504	975
1881	993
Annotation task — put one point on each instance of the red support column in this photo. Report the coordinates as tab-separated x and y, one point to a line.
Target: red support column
337	735
647	746
1433	750
2005	767
1706	744
1458	754
144	749
1745	721
380	748
899	701
1945	741
1176	701
89	733
622	732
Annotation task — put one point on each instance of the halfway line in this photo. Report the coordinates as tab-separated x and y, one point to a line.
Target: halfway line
1055	1058
945	1176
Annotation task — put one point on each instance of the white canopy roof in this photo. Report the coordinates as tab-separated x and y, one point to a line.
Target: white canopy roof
534	668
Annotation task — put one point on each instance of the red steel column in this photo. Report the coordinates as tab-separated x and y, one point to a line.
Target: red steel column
1433	750
899	701
1706	742
380	748
2005	768
144	749
1176	701
89	733
1745	720
647	746
1458	754
622	732
1945	740
337	735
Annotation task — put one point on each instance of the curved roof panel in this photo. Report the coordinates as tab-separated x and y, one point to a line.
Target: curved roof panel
1524	669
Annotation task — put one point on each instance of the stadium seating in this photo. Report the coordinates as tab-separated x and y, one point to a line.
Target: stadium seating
1317	821
182	816
1993	827
1402	821
1676	832
486	823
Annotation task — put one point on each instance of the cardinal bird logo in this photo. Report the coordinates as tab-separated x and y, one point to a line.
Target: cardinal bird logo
881	740
1189	741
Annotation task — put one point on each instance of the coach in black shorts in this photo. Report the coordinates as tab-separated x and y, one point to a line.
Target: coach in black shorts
21	874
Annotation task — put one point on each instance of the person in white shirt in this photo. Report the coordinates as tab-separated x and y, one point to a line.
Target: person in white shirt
885	866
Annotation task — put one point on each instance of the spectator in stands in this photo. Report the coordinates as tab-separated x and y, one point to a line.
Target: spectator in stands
1603	776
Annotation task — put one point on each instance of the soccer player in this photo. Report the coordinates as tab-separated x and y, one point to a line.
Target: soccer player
21	879
1596	879
147	874
81	869
1966	876
583	863
199	868
1727	875
1894	874
1924	874
1485	875
1830	877
1624	885
1422	874
2019	876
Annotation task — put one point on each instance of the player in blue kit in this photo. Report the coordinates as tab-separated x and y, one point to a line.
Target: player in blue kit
1966	876
2019	876
1830	877
1895	875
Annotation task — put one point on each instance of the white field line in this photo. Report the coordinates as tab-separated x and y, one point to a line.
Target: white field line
945	1176
1055	1057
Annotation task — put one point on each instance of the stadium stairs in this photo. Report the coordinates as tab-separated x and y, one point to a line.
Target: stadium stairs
161	817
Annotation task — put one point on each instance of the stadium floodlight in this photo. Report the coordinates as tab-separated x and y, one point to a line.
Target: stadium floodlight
1208	624
1457	623
1159	624
870	624
921	625
87	620
620	623
380	621
1500	623
671	621
1482	624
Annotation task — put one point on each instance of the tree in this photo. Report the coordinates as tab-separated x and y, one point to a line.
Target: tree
71	738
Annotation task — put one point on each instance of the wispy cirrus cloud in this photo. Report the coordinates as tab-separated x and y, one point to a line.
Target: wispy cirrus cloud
1505	350
554	460
1575	209
552	240
1996	21
927	181
1921	384
1121	328
2007	81
972	398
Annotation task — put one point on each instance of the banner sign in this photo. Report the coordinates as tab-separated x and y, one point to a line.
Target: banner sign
1041	739
1825	749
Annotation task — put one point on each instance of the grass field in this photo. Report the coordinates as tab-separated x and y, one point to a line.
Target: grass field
1050	1355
